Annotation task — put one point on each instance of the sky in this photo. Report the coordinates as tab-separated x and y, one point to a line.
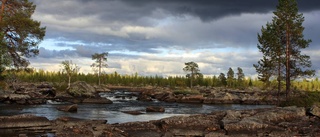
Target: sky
156	37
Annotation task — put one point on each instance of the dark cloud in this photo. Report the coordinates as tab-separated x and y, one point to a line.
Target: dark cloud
212	9
133	10
130	28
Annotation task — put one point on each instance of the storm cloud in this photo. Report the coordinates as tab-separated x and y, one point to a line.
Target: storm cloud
158	36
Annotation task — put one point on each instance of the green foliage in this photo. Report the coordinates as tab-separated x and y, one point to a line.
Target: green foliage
222	80
281	42
60	80
20	34
306	99
195	72
230	78
70	69
241	77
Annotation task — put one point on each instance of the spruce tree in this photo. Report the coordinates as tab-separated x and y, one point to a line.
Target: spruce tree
240	79
230	77
223	80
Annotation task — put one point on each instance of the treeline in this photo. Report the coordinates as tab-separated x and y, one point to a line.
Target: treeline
138	81
122	80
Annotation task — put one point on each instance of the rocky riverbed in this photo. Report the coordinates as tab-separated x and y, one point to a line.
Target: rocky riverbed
287	121
81	92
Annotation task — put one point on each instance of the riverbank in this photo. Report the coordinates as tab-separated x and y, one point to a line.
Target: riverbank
81	92
287	121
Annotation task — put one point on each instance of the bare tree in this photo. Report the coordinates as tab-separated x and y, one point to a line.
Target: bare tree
70	69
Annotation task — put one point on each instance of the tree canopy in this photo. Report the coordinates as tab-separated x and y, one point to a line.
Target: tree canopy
20	34
70	69
194	69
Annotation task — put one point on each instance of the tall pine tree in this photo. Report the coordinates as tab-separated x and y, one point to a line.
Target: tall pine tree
100	62
281	43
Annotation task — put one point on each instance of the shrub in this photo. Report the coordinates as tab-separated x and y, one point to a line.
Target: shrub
303	100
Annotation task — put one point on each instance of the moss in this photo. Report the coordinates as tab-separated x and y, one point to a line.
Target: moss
303	100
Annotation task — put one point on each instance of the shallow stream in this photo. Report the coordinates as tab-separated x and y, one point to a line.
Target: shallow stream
122	101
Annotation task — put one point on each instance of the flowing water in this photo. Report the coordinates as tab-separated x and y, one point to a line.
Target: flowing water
122	101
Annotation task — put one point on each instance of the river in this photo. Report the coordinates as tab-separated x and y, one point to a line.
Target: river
122	101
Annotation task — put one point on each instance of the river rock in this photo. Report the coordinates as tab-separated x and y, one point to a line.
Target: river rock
74	127
97	100
191	99
144	97
263	120
22	124
195	122
70	108
315	110
139	129
288	121
161	96
17	97
37	89
23	121
155	109
170	98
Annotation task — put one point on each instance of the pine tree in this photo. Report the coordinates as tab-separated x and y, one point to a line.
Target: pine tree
272	63
281	44
100	62
223	80
19	33
194	69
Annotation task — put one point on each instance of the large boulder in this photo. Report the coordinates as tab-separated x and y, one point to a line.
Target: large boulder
81	89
